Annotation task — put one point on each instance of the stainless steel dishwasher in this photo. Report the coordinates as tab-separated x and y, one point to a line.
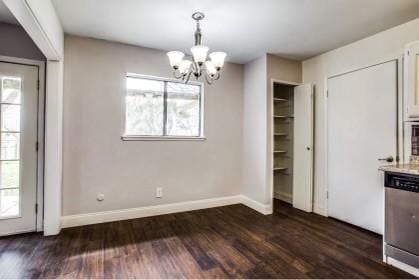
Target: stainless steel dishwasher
402	217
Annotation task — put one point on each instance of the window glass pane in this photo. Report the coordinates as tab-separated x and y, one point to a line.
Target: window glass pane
183	109
9	174
10	143
144	107
11	90
10	117
9	203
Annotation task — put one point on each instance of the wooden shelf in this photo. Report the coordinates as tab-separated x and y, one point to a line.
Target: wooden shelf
280	134
280	152
280	117
280	168
280	99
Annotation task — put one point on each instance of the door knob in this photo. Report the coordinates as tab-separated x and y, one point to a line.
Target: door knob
388	159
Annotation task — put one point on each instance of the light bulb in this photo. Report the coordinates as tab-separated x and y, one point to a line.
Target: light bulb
218	59
184	66
175	58
199	53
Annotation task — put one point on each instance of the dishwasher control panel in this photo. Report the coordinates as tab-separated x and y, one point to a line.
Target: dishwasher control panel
403	182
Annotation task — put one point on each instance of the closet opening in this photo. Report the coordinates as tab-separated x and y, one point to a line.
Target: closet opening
292	145
283	135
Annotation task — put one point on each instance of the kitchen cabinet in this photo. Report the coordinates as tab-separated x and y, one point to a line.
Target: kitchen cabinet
411	80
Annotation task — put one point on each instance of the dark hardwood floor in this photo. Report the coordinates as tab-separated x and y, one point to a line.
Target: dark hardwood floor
226	242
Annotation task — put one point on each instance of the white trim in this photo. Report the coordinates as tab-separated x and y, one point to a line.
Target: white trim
40	132
265	209
318	209
405	267
272	137
283	196
147	211
162	138
325	209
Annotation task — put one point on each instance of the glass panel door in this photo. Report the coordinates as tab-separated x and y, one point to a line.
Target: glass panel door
10	117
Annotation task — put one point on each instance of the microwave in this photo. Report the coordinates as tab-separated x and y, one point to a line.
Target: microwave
411	141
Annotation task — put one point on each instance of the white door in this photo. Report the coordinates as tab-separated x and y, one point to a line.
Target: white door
18	155
362	129
303	148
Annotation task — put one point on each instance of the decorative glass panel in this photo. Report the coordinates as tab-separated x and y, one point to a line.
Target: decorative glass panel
9	174
183	109
144	107
9	203
11	90
10	143
10	118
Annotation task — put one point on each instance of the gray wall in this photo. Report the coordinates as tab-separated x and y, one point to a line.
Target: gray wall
96	160
15	42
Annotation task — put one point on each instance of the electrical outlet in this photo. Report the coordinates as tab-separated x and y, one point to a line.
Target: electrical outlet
159	192
100	197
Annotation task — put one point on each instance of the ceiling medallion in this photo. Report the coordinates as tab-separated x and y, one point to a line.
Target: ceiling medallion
183	69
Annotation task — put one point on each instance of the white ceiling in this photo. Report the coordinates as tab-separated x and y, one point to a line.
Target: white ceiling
245	29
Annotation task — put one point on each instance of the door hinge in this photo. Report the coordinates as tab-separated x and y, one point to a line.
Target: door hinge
327	195
37	146
327	93
36	207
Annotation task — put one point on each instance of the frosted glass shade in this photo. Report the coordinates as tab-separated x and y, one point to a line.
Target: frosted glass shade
184	66
218	58
175	58
199	53
210	68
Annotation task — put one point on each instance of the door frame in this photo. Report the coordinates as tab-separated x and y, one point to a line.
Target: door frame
40	132
272	137
399	109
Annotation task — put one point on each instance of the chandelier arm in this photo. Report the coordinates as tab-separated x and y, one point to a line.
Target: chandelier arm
180	76
188	76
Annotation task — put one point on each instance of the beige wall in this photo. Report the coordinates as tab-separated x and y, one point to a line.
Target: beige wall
385	45
96	160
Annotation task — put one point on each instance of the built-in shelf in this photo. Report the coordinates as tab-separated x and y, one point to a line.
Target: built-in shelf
280	151
280	134
280	99
280	168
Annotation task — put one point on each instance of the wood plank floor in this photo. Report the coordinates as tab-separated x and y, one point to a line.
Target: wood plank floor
225	242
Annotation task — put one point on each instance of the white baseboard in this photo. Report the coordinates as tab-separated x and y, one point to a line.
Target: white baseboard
141	212
265	209
405	267
283	196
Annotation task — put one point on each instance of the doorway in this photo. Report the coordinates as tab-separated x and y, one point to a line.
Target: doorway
292	148
21	137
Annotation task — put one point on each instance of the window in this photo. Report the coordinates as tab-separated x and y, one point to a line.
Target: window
158	108
10	113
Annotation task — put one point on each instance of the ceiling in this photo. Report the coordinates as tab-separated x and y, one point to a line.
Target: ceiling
245	29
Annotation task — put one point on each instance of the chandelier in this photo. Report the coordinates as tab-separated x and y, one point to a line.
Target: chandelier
199	65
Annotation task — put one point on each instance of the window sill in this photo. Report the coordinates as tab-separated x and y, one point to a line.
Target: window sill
162	138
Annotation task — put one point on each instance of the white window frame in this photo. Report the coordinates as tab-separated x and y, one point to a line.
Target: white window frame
129	137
